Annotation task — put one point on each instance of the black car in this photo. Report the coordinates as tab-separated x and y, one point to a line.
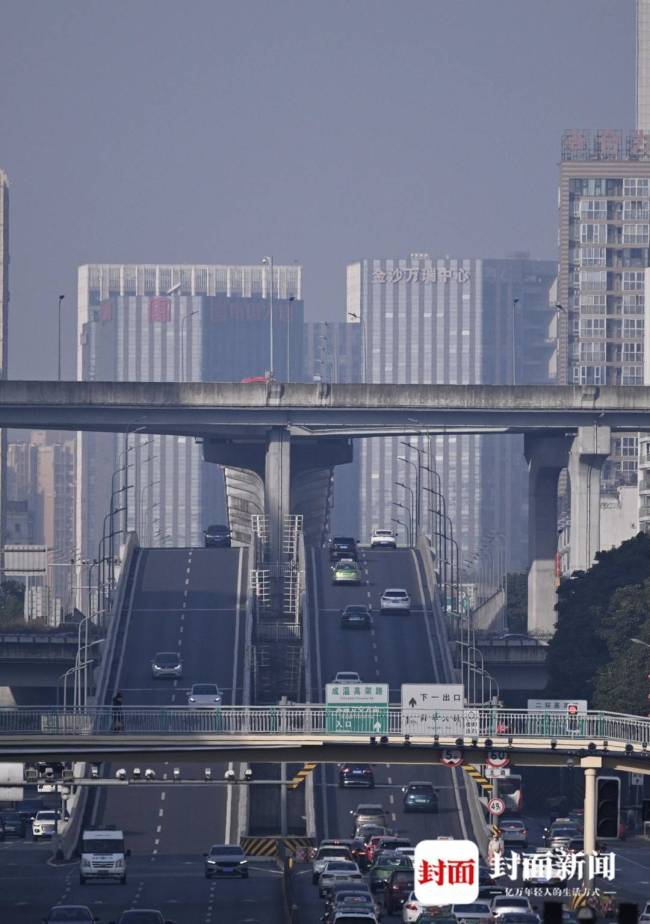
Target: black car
217	536
13	823
356	775
420	797
397	889
343	547
356	616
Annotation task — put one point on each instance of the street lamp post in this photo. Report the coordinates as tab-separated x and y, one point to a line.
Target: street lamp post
418	482
401	484
409	521
61	297
404	525
268	261
353	314
515	302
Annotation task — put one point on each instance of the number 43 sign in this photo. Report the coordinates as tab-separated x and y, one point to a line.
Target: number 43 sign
497	759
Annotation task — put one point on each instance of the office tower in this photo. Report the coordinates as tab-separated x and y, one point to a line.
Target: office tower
604	206
450	321
333	354
4	334
167	324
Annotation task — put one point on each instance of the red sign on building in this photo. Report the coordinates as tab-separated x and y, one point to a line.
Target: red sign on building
160	309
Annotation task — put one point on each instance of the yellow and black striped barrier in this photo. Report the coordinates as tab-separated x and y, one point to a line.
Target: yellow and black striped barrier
478	777
268	846
301	775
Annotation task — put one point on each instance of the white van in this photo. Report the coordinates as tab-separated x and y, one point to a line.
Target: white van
103	855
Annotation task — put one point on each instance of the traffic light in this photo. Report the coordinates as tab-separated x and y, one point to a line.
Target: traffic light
608	801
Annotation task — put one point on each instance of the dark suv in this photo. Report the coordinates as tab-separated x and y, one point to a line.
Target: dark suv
397	889
14	824
217	537
343	547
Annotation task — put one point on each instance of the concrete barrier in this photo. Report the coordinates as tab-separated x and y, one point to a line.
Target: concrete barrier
72	833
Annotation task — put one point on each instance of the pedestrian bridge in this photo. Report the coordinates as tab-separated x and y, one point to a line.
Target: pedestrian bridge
326	734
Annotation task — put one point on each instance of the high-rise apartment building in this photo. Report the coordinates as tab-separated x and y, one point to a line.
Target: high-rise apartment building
643	65
166	323
604	205
452	321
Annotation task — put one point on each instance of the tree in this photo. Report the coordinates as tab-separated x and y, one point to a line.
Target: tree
517	601
12	596
594	624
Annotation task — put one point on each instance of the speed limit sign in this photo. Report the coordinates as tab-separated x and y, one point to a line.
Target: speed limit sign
497	759
496	806
451	757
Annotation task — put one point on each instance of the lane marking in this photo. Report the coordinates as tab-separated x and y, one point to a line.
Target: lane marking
163	795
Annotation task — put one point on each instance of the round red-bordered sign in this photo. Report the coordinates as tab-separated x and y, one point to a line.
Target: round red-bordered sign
497	759
451	757
496	806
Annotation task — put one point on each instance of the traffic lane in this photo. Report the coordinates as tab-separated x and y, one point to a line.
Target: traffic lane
156	822
175	885
380	654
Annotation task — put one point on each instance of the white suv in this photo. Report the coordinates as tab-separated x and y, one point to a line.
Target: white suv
383	539
395	599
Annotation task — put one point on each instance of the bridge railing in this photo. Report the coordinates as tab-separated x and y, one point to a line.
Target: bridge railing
317	719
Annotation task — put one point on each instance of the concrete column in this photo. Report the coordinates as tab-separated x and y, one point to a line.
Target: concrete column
546	457
590	449
278	487
589	765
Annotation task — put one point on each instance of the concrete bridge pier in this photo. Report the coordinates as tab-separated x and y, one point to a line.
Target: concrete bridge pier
546	456
277	475
590	449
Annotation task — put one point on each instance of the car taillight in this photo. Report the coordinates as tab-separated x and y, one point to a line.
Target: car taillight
411	907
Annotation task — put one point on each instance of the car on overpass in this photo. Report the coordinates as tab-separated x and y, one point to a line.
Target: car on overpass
368	813
70	914
346	571
351	916
514	831
395	600
166	664
217	536
420	796
347	677
356	616
356	775
12	823
343	547
397	889
383	539
225	860
510	904
204	696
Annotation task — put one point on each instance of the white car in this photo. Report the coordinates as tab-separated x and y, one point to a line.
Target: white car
337	871
347	677
353	916
473	913
324	854
383	539
644	917
411	909
509	904
204	696
43	824
395	600
406	851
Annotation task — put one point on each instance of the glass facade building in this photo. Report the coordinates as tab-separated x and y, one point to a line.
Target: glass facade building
167	324
643	65
452	321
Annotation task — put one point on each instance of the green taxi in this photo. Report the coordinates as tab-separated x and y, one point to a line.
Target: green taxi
346	571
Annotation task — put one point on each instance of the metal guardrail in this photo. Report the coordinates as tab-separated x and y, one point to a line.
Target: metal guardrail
318	720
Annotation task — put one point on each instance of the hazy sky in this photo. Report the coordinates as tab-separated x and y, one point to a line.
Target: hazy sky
315	130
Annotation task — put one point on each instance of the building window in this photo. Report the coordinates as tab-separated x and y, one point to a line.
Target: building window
592	352
596	280
633	280
633	327
633	304
593	209
636	210
635	234
636	186
632	352
593	234
593	256
592	375
594	304
632	375
629	447
592	327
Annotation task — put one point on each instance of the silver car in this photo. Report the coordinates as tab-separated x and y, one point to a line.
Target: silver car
167	664
395	600
204	696
337	871
325	853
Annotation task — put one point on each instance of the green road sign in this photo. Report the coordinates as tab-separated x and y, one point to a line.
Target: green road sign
362	718
356	708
